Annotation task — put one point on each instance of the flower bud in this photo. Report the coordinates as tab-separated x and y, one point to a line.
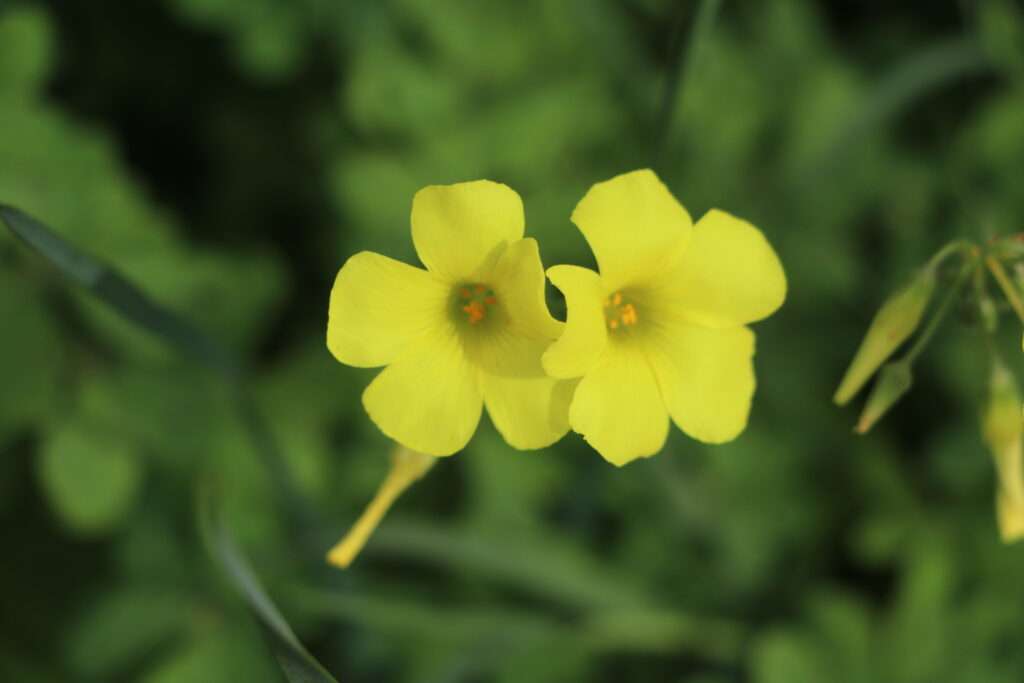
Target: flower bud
1003	430
895	321
893	381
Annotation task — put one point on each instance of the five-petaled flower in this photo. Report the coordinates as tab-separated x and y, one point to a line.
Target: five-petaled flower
466	332
661	331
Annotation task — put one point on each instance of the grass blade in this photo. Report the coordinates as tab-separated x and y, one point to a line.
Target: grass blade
921	73
683	63
133	304
297	664
118	293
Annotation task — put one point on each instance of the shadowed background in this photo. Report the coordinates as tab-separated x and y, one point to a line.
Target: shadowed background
227	156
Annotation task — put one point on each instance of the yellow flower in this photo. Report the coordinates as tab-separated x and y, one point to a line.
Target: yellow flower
662	330
466	332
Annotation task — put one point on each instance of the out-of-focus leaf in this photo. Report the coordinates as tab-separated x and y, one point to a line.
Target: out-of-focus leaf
681	69
90	478
25	48
124	628
939	64
30	359
551	569
220	654
297	664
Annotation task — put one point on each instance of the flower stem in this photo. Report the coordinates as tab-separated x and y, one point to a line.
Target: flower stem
941	312
1003	280
406	467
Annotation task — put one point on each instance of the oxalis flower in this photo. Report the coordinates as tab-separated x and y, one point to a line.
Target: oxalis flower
661	331
466	332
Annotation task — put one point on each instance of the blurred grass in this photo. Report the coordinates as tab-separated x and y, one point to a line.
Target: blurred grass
225	157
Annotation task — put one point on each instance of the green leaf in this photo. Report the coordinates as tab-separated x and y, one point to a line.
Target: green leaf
30	362
297	664
941	64
542	566
90	479
135	306
124	627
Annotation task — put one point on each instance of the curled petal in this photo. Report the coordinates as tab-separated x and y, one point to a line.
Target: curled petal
518	280
585	335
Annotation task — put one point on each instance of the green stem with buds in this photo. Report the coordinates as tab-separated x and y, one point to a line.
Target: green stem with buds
944	306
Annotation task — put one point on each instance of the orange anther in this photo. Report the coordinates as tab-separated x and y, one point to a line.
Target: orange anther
617	298
491	300
614	324
475	311
480	289
465	293
629	315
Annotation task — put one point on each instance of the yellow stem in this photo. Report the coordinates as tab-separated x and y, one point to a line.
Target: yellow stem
406	467
999	273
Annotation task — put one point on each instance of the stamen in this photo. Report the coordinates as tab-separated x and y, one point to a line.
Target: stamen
475	300
475	311
620	312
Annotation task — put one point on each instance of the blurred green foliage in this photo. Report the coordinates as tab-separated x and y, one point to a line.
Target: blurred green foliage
226	156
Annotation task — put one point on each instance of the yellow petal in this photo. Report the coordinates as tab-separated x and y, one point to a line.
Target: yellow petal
529	412
378	306
1010	515
459	230
706	377
518	281
631	222
728	275
429	399
618	408
524	328
406	467
585	335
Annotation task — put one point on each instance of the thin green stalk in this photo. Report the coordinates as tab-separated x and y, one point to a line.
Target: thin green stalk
680	70
1003	280
954	247
940	313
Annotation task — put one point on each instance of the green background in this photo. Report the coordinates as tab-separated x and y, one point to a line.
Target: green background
226	156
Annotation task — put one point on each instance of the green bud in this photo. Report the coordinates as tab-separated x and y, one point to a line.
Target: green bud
1002	427
895	321
893	381
989	315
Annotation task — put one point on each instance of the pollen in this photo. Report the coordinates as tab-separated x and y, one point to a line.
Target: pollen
620	313
474	302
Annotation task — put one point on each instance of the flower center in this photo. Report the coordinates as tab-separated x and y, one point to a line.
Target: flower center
619	312
475	302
